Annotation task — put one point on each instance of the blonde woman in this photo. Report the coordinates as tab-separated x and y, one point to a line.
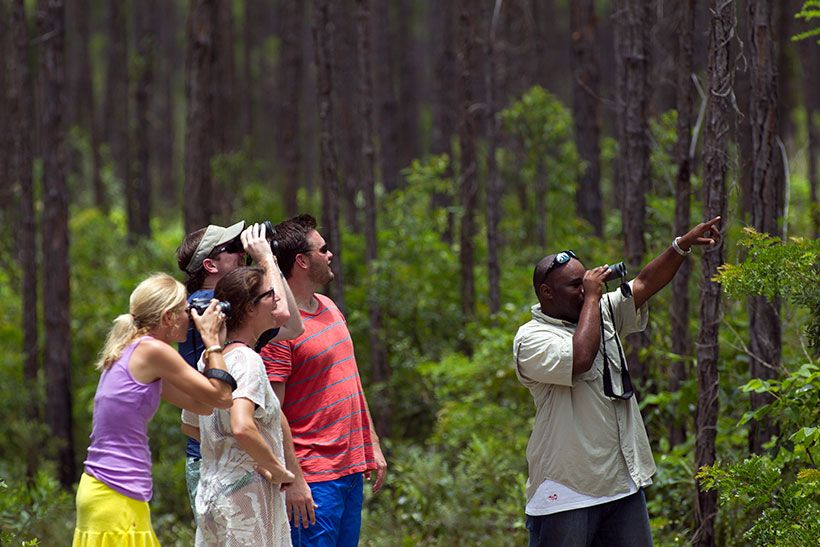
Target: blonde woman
138	367
240	499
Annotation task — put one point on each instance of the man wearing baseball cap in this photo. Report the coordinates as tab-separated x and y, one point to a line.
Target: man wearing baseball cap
206	256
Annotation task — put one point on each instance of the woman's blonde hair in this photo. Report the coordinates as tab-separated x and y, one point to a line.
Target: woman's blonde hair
153	297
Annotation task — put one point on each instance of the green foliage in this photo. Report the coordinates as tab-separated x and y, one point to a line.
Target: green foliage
783	510
809	12
36	512
775	269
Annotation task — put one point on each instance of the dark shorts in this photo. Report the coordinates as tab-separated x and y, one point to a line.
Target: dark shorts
619	523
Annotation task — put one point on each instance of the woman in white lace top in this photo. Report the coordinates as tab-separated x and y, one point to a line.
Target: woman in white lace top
240	500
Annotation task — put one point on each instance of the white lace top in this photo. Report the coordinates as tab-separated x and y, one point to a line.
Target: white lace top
235	505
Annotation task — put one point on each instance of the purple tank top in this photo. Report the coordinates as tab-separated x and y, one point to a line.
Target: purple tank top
119	455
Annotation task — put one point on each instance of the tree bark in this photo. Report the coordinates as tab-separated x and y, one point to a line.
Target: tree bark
495	186
57	362
716	161
324	52
22	116
291	67
683	198
378	354
139	211
116	106
347	122
409	144
169	63
468	131
585	93
80	90
199	145
384	85
634	20
767	202
810	61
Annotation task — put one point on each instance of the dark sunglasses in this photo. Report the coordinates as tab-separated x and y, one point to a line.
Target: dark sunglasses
560	259
234	246
259	297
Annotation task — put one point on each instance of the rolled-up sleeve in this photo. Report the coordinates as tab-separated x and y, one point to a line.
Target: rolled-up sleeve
627	319
544	357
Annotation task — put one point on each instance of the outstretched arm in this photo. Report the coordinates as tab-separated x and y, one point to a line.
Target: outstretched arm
655	275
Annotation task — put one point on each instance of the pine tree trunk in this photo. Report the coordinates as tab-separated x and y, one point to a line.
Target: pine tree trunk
291	66
139	219
495	186
22	117
683	199
199	145
324	51
716	161
57	361
810	60
633	23
585	99
169	64
388	107
467	132
80	90
445	99
347	122
767	202
378	353
408	84
116	107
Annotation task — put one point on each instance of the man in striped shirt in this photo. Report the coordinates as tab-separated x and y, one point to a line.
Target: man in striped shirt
317	381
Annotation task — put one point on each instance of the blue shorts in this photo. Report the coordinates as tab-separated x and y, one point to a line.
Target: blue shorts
338	515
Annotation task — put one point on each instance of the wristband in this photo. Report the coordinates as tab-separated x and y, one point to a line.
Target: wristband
678	249
222	376
209	350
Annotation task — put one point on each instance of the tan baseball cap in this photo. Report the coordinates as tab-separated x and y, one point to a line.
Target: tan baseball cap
213	238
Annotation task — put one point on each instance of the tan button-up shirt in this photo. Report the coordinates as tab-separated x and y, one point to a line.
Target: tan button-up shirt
581	438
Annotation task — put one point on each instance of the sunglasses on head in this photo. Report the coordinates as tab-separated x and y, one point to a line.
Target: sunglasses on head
560	259
233	246
259	297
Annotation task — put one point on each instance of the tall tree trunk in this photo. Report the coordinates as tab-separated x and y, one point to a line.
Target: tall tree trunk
384	85
6	144
57	362
495	186
716	161
168	64
291	67
467	133
633	23
810	61
347	121
139	214
767	202
408	83
22	116
585	93
445	99
80	90
683	199
378	353
323	45
199	145
115	109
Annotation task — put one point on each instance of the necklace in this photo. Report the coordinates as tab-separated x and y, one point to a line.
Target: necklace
229	342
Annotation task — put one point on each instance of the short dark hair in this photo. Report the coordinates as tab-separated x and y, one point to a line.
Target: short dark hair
239	288
541	270
291	235
185	251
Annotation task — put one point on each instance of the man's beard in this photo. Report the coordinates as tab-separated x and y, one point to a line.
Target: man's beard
321	274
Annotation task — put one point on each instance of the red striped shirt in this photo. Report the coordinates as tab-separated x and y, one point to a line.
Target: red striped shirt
324	401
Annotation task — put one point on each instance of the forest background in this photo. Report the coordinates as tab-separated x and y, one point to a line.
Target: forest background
445	147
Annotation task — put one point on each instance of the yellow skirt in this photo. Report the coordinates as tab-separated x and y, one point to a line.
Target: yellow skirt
106	518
